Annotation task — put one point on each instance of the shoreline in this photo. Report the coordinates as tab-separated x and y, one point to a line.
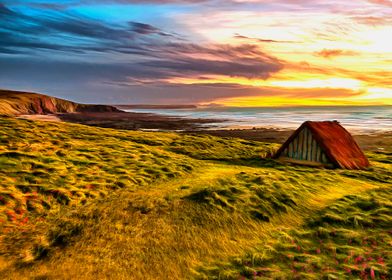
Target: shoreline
370	140
129	120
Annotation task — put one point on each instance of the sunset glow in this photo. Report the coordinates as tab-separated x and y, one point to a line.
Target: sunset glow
237	53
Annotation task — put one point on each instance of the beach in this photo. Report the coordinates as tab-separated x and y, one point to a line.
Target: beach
371	125
368	135
356	119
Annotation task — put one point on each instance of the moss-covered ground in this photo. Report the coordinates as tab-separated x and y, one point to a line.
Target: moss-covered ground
79	202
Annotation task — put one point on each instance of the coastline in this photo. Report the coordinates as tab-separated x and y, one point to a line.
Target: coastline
370	140
129	120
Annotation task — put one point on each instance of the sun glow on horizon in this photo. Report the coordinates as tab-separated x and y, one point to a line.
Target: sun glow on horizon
245	51
274	92
289	102
350	54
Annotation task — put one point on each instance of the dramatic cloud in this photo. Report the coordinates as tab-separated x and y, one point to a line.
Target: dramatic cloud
157	58
373	20
249	68
387	3
195	50
238	36
334	53
145	29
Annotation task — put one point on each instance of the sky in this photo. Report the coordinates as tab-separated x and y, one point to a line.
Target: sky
223	52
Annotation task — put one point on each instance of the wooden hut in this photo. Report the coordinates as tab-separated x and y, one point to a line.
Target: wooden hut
325	144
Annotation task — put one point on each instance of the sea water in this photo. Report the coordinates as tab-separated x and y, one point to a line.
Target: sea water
363	119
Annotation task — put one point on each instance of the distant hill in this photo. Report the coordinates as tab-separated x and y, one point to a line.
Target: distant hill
147	106
28	103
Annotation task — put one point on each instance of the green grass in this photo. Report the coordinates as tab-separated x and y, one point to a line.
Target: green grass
351	238
45	166
86	203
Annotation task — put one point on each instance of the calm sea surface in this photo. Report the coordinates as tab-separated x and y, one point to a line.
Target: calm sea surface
366	119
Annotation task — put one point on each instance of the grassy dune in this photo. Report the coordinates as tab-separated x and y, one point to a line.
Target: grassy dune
89	203
349	239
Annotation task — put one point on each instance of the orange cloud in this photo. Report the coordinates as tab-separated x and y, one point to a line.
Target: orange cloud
382	2
330	53
303	97
372	20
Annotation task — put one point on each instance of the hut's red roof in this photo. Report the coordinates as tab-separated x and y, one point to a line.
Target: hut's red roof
337	143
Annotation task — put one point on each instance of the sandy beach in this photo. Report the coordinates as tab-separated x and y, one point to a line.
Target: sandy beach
135	121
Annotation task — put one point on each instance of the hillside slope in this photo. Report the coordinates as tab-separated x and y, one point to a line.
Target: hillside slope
25	103
80	202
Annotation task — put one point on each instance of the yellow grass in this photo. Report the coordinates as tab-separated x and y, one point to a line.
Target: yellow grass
228	203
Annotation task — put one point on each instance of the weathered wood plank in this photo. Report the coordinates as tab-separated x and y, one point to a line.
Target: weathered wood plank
314	150
305	148
318	157
300	142
310	138
324	158
295	146
305	145
290	153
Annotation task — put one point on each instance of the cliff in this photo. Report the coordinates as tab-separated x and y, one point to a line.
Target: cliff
26	103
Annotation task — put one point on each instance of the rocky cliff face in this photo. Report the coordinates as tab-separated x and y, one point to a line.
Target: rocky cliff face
26	103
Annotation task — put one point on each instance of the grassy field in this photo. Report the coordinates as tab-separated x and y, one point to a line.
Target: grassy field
90	203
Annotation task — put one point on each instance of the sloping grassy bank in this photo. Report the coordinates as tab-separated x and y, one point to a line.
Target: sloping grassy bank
49	169
46	165
171	229
139	205
350	239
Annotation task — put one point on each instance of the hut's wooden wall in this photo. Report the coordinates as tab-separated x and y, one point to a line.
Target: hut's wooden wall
305	147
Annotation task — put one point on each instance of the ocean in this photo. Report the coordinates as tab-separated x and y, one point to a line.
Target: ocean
355	119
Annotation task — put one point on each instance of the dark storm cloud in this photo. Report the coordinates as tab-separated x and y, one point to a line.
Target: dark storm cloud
142	28
46	32
147	29
82	27
63	4
7	51
44	71
147	1
4	11
56	53
162	56
69	32
13	43
110	82
219	50
252	68
55	70
64	23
